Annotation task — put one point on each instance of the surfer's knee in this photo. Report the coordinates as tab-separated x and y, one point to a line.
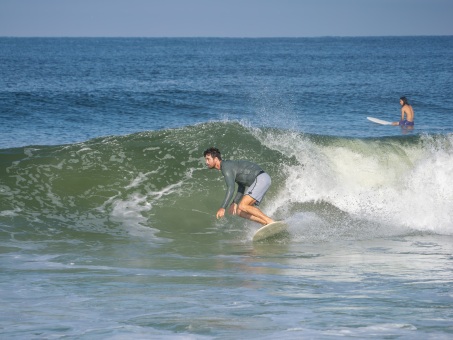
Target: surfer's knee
243	206
246	203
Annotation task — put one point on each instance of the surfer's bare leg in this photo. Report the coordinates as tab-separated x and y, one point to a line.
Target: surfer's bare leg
250	217
246	209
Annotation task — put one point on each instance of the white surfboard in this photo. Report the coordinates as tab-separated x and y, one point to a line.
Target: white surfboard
270	230
379	121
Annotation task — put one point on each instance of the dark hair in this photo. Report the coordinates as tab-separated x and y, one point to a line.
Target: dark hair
214	152
405	102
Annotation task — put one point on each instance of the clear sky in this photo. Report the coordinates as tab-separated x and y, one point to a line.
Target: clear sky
224	18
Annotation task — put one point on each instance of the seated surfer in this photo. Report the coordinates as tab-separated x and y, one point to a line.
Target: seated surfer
247	175
407	114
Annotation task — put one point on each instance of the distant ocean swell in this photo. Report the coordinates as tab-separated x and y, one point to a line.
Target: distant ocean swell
154	184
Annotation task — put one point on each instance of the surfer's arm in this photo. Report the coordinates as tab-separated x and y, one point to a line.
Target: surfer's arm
239	194
402	118
229	180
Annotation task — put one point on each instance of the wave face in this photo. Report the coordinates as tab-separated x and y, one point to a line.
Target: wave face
155	184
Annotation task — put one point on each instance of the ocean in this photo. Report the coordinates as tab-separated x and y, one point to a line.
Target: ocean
107	210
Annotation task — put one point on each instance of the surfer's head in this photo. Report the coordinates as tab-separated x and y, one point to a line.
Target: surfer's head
403	101
214	152
212	158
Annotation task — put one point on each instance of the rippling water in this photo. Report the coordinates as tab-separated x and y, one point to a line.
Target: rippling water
107	212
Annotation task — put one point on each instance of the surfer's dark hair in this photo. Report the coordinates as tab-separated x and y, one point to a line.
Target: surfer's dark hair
214	152
405	102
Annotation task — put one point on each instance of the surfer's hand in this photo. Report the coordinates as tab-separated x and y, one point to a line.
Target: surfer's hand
233	209
220	213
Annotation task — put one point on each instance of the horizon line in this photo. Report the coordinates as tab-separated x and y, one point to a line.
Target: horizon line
224	37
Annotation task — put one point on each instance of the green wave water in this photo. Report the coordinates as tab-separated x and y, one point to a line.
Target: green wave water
155	184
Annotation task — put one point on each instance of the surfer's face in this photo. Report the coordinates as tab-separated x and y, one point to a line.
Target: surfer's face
210	162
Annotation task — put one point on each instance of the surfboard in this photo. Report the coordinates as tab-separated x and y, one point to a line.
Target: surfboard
270	230
379	121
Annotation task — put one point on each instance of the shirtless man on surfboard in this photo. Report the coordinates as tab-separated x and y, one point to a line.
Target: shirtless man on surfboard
406	110
247	175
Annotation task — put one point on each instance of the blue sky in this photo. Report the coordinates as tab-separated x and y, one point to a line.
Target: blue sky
224	18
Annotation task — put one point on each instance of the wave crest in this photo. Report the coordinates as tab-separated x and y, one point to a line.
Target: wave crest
157	180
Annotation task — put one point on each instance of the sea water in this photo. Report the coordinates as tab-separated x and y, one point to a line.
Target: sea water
107	212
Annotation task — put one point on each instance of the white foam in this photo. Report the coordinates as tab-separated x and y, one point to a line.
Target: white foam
390	182
133	211
10	213
129	212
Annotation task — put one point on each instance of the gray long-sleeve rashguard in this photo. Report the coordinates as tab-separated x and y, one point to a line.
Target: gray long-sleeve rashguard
241	172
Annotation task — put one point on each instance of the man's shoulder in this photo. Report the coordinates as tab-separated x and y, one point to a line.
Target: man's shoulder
229	163
226	164
233	165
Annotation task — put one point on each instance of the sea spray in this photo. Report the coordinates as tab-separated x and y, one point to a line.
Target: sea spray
403	182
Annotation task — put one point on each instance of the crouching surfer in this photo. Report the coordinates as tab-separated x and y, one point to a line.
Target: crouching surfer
252	182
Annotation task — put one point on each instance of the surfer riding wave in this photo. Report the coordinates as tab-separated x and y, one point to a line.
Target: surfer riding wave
247	175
